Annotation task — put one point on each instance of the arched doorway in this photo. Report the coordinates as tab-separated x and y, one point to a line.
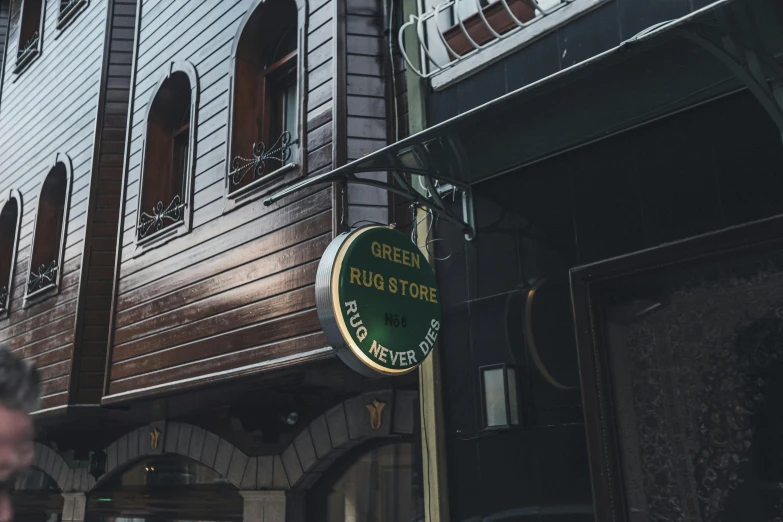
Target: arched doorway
381	482
38	498
165	487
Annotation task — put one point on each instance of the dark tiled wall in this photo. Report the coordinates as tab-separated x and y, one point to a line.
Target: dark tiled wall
705	169
583	38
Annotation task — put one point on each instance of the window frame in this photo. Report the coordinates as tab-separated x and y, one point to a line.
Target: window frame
6	43
12	194
70	13
47	291
297	163
24	61
184	225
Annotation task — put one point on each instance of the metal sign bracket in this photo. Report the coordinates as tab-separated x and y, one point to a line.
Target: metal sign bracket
432	162
741	40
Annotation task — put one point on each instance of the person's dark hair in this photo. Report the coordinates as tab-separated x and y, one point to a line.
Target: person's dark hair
19	383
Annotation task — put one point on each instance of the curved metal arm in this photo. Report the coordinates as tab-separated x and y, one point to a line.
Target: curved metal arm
453	57
531	343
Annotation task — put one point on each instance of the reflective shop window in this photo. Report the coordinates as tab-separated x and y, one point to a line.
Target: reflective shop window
383	485
165	488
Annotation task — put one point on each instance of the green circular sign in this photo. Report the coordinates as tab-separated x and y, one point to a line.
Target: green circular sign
382	306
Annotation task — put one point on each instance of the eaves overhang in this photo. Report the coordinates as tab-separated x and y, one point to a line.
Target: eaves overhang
725	47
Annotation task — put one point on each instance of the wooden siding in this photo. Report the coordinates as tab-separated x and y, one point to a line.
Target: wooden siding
50	108
5	16
368	122
237	289
103	217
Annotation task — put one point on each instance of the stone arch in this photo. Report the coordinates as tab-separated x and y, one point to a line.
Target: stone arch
167	438
330	436
52	464
386	414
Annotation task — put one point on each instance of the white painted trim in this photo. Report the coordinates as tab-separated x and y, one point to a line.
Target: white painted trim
220	374
263	495
65	406
49	409
502	48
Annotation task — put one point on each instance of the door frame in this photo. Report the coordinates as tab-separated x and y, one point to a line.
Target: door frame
594	365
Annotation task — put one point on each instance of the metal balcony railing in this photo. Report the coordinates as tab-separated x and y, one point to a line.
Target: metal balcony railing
43	278
27	48
161	216
68	9
278	155
455	30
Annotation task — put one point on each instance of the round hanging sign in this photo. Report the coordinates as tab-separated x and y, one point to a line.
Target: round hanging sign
378	301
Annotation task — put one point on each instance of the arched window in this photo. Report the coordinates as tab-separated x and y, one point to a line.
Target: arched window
166	482
30	31
265	98
10	216
50	226
37	497
164	201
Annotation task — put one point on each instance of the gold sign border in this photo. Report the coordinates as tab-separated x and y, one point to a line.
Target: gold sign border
338	312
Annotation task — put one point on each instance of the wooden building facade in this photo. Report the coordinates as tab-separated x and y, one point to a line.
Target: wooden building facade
171	312
65	84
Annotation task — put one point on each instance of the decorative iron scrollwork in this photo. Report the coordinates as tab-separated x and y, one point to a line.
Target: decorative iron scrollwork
3	298
44	277
28	47
279	152
155	222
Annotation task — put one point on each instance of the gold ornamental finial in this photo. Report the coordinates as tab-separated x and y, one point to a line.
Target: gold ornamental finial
375	408
155	438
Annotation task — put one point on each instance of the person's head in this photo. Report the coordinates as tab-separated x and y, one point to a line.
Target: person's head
19	393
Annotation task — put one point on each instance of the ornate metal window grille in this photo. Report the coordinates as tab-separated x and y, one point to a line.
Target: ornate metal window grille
3	298
67	7
161	217
28	47
45	276
280	153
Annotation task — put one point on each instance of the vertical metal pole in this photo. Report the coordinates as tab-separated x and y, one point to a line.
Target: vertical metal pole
433	437
433	443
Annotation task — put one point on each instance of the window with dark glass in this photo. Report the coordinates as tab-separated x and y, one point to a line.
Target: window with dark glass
37	498
70	9
9	230
265	99
5	29
49	233
167	158
163	488
30	32
384	484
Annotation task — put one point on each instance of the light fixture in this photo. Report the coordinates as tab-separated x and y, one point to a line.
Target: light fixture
291	418
500	401
97	464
